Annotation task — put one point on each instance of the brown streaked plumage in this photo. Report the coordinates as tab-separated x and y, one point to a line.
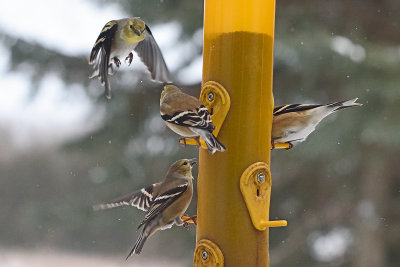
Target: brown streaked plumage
188	117
164	202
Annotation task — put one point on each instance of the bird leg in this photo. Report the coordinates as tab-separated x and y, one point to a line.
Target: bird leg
272	145
129	58
183	139
197	138
117	62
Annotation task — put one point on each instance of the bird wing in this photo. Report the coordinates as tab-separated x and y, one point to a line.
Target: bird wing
163	201
150	53
141	199
198	118
293	108
103	45
104	40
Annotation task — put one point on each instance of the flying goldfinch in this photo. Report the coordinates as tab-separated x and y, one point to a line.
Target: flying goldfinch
117	40
293	123
164	202
188	117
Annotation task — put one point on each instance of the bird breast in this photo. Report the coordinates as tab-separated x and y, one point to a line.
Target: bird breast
120	49
181	130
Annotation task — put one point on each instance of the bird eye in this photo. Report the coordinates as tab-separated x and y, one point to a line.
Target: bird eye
131	26
185	163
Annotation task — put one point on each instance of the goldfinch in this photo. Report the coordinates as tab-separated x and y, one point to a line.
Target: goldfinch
117	40
188	117
164	202
293	123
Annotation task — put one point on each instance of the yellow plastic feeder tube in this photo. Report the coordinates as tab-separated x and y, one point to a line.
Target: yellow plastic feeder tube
238	54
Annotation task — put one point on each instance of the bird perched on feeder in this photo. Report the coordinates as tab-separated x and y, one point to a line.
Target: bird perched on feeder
188	117
293	123
117	40
164	202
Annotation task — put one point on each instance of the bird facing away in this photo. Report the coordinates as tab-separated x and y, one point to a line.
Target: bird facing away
164	202
117	40
293	123
188	117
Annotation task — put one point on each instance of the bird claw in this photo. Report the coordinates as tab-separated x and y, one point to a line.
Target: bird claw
272	145
117	62
193	218
129	58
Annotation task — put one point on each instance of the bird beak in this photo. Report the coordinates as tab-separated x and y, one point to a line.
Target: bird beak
138	32
192	162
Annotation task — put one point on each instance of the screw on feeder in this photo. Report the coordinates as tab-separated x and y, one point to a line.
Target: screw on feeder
210	96
260	177
204	255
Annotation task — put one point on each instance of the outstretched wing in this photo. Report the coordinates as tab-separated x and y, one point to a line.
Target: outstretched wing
293	108
163	201
199	118
150	53
141	199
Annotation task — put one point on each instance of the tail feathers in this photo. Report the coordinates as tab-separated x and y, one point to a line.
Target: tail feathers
137	248
96	72
212	143
103	73
345	104
102	69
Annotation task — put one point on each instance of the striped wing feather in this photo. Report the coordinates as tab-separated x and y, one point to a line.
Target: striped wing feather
293	108
163	201
199	118
141	199
104	41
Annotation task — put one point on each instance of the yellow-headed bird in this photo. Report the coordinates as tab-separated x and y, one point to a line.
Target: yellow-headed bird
117	40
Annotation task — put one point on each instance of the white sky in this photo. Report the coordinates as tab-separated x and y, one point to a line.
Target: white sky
332	245
70	27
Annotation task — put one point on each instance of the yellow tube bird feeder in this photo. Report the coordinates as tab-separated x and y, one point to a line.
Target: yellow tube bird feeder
234	187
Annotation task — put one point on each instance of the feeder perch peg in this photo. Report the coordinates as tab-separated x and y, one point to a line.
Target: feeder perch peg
216	99
255	185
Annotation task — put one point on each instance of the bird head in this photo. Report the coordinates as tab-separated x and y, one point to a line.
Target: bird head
183	167
169	89
134	30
